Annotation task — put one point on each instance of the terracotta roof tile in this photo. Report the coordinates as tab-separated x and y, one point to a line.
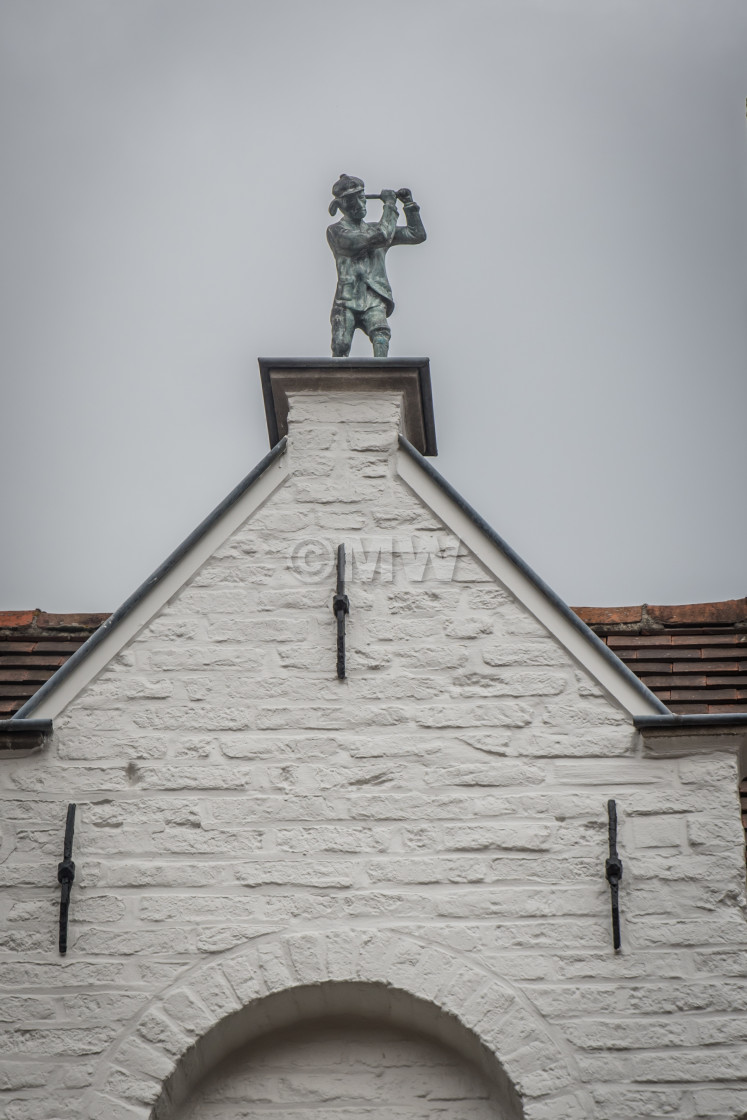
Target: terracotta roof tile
693	656
13	620
56	622
33	645
608	615
700	614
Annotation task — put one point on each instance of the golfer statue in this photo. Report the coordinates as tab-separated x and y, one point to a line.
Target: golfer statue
363	297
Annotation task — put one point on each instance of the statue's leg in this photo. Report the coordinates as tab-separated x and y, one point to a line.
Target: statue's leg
376	327
343	326
380	340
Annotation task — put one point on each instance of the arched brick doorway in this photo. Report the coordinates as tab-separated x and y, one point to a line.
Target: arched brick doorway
361	1054
372	981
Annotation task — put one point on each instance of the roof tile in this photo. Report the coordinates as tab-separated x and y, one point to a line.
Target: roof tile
700	614
14	619
69	621
595	615
690	655
33	644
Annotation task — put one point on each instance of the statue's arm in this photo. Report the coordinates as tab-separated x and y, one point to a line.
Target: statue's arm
350	241
414	232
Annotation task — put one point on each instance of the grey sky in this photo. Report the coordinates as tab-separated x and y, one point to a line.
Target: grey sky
581	167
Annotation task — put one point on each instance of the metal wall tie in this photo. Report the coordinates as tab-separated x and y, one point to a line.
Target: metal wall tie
340	607
66	875
613	870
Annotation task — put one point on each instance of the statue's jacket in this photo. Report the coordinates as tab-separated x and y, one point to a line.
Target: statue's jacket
360	253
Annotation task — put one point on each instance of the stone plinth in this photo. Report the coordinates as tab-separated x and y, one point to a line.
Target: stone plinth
410	376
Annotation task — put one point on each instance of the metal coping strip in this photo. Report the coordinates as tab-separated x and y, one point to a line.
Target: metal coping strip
29	727
704	719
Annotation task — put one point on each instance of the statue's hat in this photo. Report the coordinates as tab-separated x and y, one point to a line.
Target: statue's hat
346	184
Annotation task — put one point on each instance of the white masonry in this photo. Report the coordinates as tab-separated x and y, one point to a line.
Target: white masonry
381	898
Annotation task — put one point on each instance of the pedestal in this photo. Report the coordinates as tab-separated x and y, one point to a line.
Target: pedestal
410	376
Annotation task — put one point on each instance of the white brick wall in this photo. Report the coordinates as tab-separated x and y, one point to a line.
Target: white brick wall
450	795
364	1073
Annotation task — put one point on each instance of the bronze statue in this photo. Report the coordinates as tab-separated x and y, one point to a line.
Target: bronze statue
363	297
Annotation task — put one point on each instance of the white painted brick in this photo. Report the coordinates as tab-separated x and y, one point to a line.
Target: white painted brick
715	1064
189	1014
106	942
42	976
214	989
248	823
711	1103
63	1109
276	967
22	1075
720	963
108	1106
606	1034
714	836
160	1032
295	873
102	1007
659	833
618	1102
532	837
55	1043
342	954
535	653
567	1106
308	956
726	928
714	770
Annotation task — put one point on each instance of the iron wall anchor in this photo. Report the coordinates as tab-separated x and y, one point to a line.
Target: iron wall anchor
340	607
613	870
66	875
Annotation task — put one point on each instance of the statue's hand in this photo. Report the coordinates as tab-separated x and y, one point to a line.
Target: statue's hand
389	196
404	194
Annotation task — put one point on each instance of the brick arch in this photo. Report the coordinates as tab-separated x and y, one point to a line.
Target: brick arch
276	981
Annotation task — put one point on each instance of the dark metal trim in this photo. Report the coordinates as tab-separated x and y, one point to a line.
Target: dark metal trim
269	402
26	727
421	365
152	581
672	720
429	422
611	658
25	735
266	364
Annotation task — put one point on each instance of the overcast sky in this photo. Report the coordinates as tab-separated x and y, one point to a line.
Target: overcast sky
582	171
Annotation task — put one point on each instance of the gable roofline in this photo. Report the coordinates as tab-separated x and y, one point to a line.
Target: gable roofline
610	672
112	635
